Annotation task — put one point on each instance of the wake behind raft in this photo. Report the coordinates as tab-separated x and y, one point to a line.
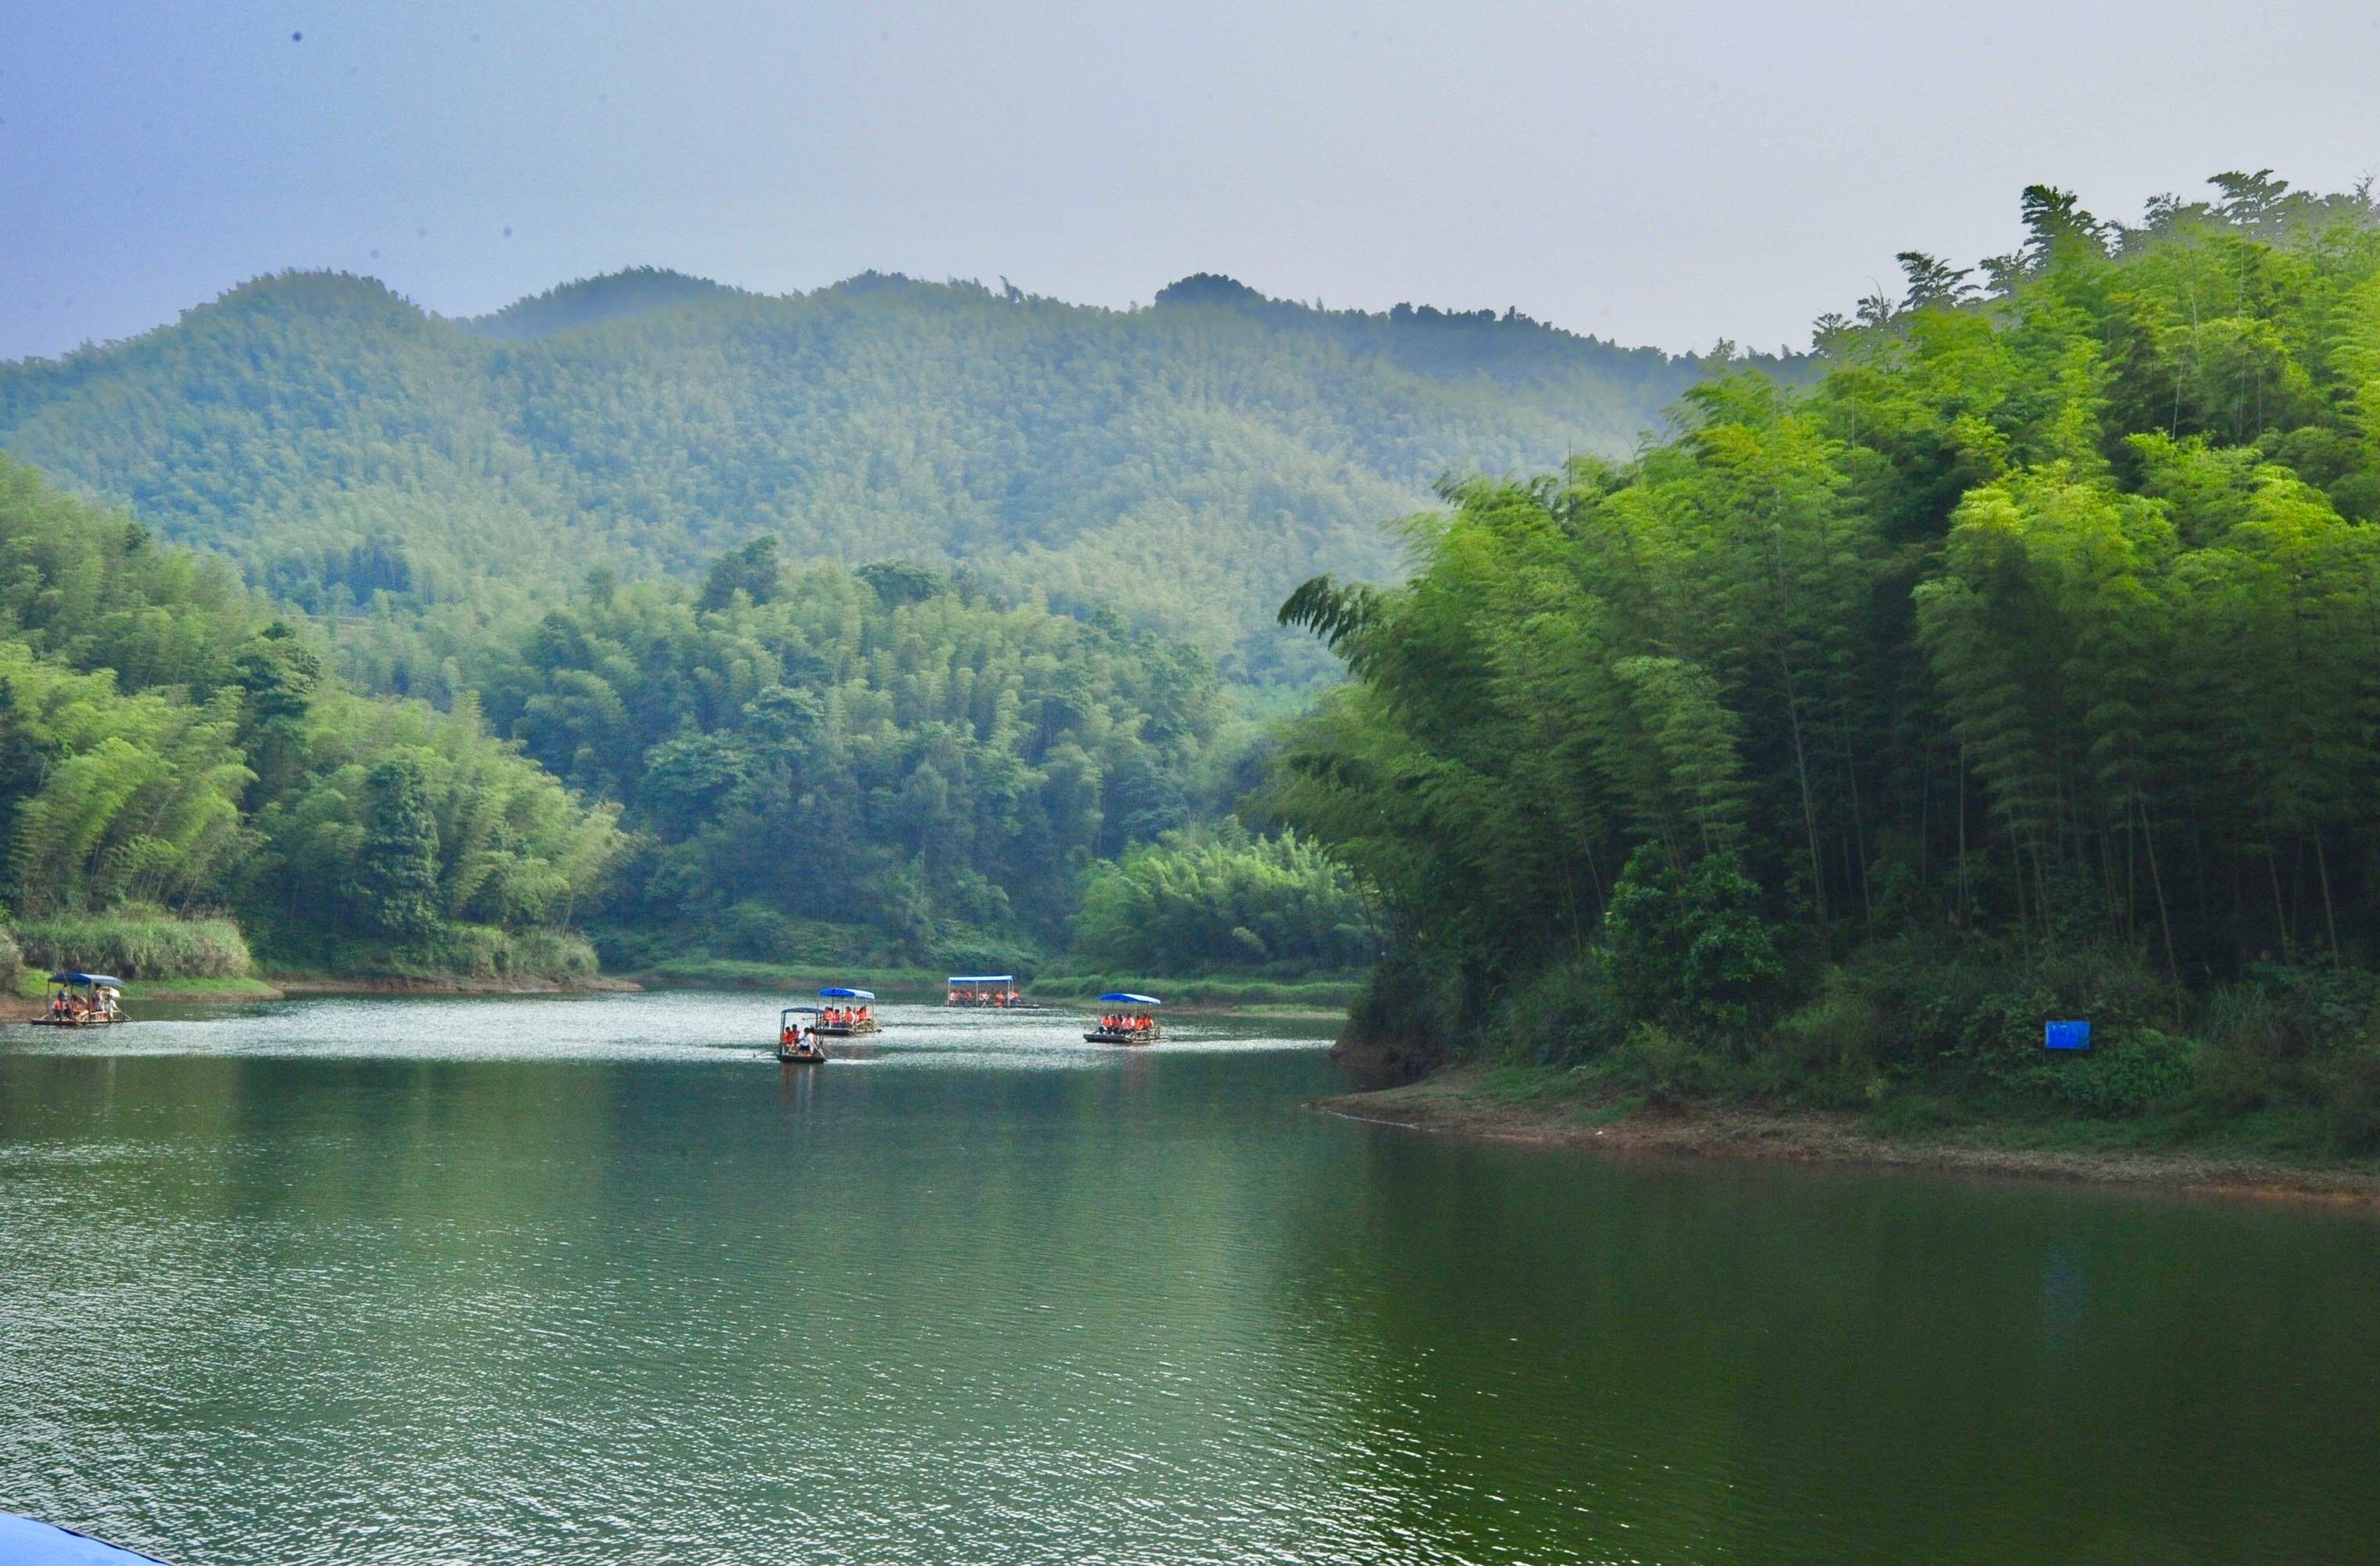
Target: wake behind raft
24	1542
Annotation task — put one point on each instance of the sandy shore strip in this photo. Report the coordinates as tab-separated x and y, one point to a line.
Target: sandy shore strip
1448	1102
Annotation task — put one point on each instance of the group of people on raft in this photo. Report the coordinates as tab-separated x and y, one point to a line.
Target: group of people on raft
983	998
1125	1022
97	1006
845	1016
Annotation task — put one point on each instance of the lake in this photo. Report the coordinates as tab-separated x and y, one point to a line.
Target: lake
594	1280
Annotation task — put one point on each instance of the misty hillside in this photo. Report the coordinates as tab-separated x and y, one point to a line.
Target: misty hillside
1189	462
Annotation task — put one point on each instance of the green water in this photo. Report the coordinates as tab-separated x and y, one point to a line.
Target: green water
591	1280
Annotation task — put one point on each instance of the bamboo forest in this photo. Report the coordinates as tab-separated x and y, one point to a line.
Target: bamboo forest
2027	664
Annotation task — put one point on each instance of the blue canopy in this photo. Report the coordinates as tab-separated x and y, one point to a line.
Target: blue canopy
797	1011
39	1544
87	978
983	978
839	993
1131	1000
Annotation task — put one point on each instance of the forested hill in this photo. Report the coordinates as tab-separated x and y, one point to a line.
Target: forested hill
1187	462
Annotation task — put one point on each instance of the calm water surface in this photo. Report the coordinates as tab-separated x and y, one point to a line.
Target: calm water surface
591	1280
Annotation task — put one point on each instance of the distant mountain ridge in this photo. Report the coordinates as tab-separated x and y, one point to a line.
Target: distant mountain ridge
1188	461
590	301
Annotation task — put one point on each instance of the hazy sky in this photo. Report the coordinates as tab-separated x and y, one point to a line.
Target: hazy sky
1655	172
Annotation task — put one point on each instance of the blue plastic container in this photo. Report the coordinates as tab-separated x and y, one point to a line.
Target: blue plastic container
2066	1036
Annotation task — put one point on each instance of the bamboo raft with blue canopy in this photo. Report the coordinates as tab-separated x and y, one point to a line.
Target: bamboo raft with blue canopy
996	989
844	1021
1137	1026
93	1007
798	1040
987	991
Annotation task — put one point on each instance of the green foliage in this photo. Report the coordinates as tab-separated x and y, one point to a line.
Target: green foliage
137	796
1568	1014
2286	1036
395	891
163	740
137	942
1690	949
1671	1064
2026	666
752	571
1190	462
2137	1070
1407	1010
1831	1049
1216	901
900	753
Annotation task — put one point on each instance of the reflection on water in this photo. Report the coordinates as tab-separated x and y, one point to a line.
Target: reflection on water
595	1279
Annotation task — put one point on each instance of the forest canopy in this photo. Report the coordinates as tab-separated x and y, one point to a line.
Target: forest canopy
894	749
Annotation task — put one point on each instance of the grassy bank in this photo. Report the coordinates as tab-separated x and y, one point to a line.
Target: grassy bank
457	958
31	985
136	943
2273	1153
164	955
792	979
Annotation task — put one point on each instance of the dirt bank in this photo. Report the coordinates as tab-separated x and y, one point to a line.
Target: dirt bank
1452	1102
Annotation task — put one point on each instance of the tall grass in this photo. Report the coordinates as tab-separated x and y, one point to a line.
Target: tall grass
482	953
137	942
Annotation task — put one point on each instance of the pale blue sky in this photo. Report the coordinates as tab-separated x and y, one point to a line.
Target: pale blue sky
1655	172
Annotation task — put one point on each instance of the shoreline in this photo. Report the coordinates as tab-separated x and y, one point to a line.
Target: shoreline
1449	1103
283	986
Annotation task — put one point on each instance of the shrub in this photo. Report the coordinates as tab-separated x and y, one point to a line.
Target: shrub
755	932
2353	1111
1691	950
549	953
1839	1031
138	941
1831	1051
1567	1015
1402	1009
2136	1071
1670	1063
1221	901
11	963
475	951
1973	1011
2291	1036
